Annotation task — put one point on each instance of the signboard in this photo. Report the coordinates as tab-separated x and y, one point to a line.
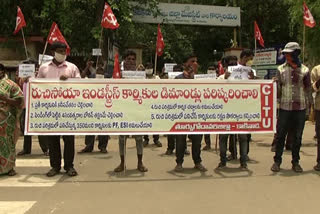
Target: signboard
265	58
168	67
189	14
172	75
45	58
133	74
239	72
96	52
139	107
205	76
26	70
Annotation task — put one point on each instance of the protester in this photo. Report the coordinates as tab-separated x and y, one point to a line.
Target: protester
171	139
190	68
130	65
11	103
294	92
150	75
315	78
62	69
92	73
223	138
27	139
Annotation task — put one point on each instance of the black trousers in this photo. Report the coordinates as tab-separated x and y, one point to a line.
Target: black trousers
103	141
155	138
171	141
181	147
55	151
207	139
317	117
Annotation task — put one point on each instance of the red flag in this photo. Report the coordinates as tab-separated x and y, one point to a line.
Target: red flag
307	17
108	18
257	34
20	22
116	68
55	35
220	68
160	42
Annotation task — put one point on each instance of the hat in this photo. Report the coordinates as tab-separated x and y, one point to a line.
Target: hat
290	47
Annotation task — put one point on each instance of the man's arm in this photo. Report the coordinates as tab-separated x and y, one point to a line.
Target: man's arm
308	88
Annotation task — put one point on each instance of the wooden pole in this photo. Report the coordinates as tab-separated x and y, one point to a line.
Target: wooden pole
24	42
44	51
100	43
155	63
304	43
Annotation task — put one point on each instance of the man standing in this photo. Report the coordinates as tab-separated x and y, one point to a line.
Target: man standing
91	72
60	68
190	68
223	138
129	64
294	92
315	78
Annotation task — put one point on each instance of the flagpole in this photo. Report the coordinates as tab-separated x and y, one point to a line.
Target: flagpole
255	50
304	41
101	34
24	42
44	51
155	63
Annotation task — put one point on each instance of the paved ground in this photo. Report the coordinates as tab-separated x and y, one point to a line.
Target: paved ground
98	190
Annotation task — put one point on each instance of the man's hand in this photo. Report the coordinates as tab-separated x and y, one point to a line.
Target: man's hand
275	79
63	77
251	75
227	75
3	98
318	83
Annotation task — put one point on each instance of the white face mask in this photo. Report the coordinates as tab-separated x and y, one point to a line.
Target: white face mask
249	63
92	70
60	57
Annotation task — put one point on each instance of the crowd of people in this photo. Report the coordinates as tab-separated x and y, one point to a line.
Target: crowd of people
295	85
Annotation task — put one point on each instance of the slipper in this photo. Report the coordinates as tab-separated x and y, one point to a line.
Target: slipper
72	172
120	168
12	172
53	172
142	168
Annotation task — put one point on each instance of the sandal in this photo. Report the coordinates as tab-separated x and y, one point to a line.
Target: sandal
120	168
53	172
72	172
200	167
142	168
12	172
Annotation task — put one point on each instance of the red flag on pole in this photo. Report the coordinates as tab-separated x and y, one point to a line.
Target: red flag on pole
55	35
307	17
20	22
109	20
160	42
257	34
220	68
116	68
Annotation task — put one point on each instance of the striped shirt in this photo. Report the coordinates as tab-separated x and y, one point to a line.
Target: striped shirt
294	87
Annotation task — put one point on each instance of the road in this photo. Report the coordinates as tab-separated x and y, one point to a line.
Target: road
162	191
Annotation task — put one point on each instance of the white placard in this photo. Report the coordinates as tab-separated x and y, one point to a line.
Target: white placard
172	75
46	58
265	58
205	76
239	72
96	52
168	67
133	74
26	70
188	14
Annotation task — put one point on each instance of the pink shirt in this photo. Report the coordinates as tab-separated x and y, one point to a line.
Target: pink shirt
52	71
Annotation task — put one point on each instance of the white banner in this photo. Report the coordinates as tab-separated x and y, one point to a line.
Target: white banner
189	14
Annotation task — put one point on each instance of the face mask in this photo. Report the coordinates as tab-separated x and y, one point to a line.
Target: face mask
249	63
60	57
149	72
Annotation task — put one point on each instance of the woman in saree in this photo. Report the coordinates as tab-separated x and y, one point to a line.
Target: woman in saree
11	102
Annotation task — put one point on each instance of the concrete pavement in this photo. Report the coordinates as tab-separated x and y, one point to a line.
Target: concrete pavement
98	190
